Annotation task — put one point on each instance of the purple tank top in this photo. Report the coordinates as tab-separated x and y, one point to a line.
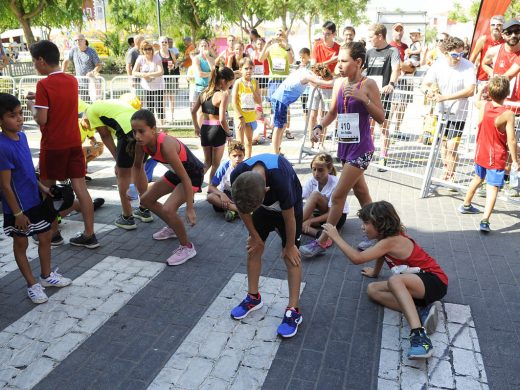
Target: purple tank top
348	152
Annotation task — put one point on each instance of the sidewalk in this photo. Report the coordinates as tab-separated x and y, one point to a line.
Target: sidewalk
137	323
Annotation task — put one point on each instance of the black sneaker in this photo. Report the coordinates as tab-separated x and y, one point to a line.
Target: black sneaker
98	202
383	162
56	240
88	178
90	242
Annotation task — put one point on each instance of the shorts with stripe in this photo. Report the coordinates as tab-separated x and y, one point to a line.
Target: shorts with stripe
38	223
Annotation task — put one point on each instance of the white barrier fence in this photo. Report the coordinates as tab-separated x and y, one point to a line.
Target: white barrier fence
414	128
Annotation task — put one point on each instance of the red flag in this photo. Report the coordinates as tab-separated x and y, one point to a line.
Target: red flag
488	8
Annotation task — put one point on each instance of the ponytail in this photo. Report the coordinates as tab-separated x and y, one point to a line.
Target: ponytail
217	74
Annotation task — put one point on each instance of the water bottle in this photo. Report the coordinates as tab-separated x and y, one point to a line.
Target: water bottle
513	178
133	195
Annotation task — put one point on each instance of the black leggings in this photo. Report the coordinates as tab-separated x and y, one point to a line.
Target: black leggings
153	101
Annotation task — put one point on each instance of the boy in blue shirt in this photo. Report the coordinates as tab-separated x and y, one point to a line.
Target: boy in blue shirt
268	196
23	213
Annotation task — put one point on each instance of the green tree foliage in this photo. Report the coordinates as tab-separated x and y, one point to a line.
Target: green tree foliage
195	14
513	10
247	14
463	15
131	16
115	43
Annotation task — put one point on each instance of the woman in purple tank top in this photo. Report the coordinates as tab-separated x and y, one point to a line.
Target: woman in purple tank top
355	99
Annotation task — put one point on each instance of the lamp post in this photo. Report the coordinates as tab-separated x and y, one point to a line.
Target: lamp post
157	2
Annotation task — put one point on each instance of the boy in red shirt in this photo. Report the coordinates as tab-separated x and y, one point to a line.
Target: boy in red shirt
55	110
496	133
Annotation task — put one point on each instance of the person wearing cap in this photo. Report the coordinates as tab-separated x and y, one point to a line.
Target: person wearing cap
397	36
504	59
412	55
86	60
484	43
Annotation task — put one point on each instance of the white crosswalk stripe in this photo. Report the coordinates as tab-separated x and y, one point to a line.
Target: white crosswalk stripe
456	362
32	346
221	352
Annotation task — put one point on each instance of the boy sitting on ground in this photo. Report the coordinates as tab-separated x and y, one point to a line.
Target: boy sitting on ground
219	190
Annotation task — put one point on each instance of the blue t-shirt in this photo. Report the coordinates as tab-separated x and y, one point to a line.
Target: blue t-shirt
222	180
285	190
291	89
15	156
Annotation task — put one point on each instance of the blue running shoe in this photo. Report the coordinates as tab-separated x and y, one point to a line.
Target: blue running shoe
429	317
484	226
248	305
420	345
468	209
289	326
312	249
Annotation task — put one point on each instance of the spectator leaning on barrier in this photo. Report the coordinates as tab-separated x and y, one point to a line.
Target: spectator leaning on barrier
484	43
132	54
383	66
451	81
506	58
86	60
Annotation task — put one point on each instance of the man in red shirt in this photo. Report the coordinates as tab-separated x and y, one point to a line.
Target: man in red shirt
504	59
485	42
397	36
55	110
325	51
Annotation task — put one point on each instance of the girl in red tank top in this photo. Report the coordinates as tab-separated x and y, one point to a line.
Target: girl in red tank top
417	281
185	175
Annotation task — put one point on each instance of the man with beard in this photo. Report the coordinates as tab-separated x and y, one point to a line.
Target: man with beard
484	43
505	58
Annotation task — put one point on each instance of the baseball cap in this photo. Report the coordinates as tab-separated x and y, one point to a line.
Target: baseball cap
510	23
394	27
415	30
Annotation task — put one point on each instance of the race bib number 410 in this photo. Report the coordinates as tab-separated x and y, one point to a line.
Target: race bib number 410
348	128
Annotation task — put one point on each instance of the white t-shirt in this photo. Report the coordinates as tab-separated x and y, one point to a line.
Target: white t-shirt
452	79
312	185
148	67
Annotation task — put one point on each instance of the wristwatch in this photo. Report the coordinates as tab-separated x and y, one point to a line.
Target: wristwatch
392	83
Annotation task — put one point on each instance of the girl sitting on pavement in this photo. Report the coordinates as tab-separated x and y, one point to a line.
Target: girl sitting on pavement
181	181
417	281
317	192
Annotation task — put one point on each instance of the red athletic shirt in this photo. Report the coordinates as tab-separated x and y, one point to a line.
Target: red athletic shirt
419	258
489	42
254	56
322	53
503	62
58	93
401	47
491	151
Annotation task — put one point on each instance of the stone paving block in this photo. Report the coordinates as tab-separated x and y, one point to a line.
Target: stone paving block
440	374
413	378
390	338
214	384
196	372
248	378
227	365
389	362
464	362
29	377
469	383
68	343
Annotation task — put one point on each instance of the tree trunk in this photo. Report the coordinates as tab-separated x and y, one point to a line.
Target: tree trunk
309	30
27	32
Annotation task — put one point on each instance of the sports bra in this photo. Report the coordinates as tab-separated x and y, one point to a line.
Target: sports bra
187	158
209	108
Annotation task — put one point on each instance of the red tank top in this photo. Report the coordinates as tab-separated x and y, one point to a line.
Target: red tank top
491	150
157	156
502	64
489	42
419	258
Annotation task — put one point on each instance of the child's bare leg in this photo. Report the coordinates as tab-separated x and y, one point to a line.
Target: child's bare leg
294	278
254	268
44	252
362	192
491	198
216	157
472	188
20	245
85	202
315	201
248	141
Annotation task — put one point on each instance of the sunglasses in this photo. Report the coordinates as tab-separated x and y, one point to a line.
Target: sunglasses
513	32
455	55
440	40
164	42
148	49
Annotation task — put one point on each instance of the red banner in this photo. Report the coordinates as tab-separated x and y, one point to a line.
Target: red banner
488	8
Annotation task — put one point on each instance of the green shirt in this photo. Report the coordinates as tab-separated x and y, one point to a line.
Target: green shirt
114	114
278	59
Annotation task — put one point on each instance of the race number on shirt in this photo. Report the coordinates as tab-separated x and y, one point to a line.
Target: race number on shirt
259	69
278	63
348	128
247	102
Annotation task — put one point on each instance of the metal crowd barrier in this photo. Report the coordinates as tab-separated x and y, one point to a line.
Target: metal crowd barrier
7	85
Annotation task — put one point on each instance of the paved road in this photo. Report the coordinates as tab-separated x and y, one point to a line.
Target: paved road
128	321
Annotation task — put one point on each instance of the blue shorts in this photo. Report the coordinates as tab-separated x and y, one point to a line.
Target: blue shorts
253	125
494	177
280	114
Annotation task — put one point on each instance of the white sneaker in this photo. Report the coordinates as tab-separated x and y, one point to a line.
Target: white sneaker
55	280
164	234
181	255
35	292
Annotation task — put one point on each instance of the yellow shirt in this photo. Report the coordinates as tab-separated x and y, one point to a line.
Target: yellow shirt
278	59
245	102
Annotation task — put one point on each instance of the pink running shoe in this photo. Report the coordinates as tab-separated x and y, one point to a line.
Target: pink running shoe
181	255
328	243
165	233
